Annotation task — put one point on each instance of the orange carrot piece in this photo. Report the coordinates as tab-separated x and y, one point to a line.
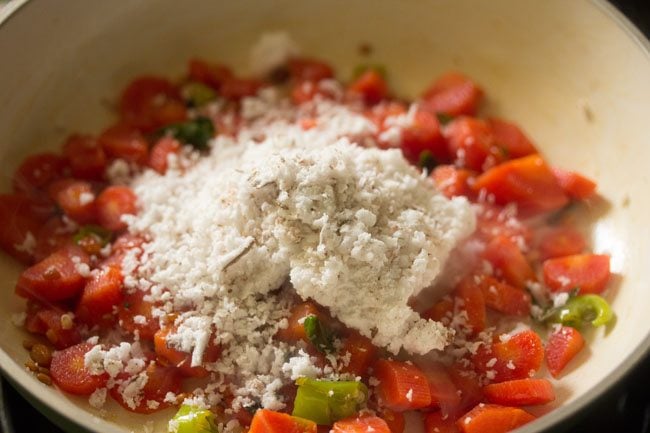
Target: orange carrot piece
492	418
360	424
505	298
402	386
469	298
506	256
268	421
362	354
395	420
520	392
575	185
588	272
518	357
562	346
560	242
528	182
436	422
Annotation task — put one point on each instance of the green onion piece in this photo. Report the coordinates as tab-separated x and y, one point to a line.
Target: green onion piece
326	401
197	94
196	132
192	419
103	235
359	70
317	334
426	161
444	118
582	309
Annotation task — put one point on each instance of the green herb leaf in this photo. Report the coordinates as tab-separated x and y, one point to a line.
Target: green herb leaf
196	132
317	334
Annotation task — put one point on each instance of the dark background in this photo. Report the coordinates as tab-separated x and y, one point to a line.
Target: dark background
626	408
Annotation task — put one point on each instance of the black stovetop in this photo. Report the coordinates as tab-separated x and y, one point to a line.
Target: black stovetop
625	408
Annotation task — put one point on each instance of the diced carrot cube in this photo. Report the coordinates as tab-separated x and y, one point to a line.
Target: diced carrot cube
509	261
520	392
492	418
402	386
588	272
268	421
562	346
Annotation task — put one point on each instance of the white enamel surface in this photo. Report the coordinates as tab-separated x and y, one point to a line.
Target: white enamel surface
543	64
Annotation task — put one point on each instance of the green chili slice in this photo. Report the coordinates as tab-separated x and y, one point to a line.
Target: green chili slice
196	132
197	94
326	401
583	309
444	118
192	419
100	233
426	161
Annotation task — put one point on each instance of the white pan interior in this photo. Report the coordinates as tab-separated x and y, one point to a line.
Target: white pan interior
570	73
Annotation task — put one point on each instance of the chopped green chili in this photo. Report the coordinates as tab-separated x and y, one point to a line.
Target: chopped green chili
582	309
325	401
444	118
197	94
192	419
427	162
196	132
100	233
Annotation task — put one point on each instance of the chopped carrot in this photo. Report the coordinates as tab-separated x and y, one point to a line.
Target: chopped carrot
295	331
492	418
207	73
183	360
471	143
441	311
402	386
361	424
371	87
55	278
423	135
395	420
361	354
100	295
528	182
268	421
575	185
453	94
562	346
512	139
520	392
503	297
436	422
69	371
561	241
506	256
588	272
517	357
452	181
444	392
469	298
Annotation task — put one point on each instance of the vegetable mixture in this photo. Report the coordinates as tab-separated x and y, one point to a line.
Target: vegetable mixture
524	301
